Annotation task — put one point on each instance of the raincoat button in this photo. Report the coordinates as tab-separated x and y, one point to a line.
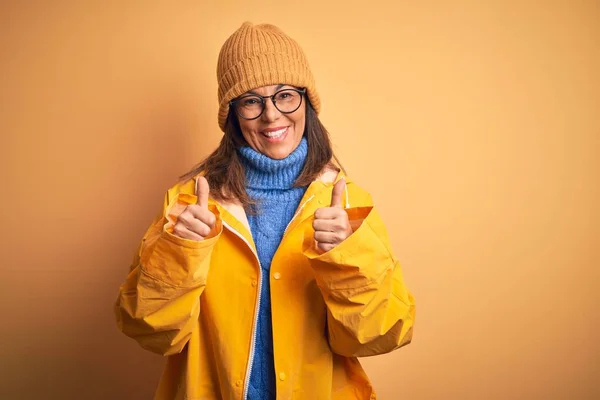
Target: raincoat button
254	283
239	383
282	376
277	275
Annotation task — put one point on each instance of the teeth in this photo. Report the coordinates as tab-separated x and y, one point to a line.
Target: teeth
275	134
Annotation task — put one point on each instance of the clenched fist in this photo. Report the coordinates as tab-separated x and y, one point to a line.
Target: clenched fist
196	221
331	224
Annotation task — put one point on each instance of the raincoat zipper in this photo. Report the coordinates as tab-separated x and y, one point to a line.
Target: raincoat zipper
256	307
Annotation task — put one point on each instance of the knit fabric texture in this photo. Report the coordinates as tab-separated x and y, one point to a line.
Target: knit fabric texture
261	55
270	183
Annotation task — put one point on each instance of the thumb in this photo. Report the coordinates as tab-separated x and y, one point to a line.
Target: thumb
336	195
202	191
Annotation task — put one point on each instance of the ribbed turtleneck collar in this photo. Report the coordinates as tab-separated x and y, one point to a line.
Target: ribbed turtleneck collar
264	173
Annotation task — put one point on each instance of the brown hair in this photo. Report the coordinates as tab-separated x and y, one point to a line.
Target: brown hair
224	170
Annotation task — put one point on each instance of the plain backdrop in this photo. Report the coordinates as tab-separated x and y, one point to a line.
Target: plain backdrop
474	124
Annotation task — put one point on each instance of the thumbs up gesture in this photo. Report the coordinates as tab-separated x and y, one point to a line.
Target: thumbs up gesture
331	224
196	221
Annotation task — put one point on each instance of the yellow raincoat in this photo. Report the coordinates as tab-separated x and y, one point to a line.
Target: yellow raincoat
196	302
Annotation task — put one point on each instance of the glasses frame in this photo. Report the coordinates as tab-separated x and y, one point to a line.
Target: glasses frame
233	103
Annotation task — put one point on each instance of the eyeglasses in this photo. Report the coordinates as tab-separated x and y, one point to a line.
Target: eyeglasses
252	106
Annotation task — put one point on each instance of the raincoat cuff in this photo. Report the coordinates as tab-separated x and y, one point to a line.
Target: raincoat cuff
177	206
359	260
177	261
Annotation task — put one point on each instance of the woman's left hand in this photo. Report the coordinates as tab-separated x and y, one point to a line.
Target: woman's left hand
331	224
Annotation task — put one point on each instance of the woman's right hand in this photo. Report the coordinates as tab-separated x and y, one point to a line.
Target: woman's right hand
196	221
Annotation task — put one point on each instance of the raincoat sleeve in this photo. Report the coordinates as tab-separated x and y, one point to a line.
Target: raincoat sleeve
369	309
159	303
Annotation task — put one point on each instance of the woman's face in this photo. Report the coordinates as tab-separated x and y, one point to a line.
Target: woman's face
274	133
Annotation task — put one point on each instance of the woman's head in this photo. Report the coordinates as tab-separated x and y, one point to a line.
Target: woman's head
261	56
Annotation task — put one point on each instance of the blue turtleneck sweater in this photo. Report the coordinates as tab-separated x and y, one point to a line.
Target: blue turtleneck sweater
270	183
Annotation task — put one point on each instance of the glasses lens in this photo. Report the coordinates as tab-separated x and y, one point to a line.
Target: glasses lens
249	107
287	100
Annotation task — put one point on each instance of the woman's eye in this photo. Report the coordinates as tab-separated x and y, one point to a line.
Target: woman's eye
250	102
285	95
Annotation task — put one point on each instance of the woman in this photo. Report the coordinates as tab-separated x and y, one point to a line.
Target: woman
267	272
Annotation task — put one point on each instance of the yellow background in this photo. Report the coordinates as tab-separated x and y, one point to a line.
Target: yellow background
474	124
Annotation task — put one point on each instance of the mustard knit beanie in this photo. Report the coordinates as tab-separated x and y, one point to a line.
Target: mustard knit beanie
261	55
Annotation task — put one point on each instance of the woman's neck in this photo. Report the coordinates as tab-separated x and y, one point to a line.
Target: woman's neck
264	173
